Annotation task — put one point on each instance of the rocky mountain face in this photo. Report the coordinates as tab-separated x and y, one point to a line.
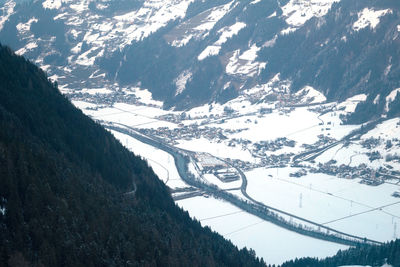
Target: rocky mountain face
191	52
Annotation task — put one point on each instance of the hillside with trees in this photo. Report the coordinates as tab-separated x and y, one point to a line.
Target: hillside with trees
388	253
63	188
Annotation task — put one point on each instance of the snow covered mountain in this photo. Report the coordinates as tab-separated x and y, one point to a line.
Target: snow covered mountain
192	52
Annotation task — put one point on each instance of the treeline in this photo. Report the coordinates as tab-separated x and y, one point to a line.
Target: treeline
388	253
62	184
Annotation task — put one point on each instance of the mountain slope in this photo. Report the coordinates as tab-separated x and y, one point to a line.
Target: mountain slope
63	188
192	52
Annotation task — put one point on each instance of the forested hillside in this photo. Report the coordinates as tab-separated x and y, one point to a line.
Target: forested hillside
388	253
63	188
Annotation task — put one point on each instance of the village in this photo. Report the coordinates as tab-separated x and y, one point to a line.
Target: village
265	154
261	152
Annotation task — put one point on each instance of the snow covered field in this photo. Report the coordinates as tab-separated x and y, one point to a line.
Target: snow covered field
324	199
131	115
274	244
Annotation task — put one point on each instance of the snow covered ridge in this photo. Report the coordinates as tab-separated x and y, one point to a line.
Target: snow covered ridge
104	33
152	16
245	64
298	12
226	33
369	18
199	26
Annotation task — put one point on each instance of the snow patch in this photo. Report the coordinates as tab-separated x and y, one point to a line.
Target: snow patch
350	104
3	210
181	81
229	32
192	28
80	6
288	30
272	15
387	70
146	97
226	85
271	43
263	89
60	16
101	6
391	97
377	98
245	64
299	12
310	95
7	11
250	54
226	33
89	57
25	27
369	17
52	4
26	48
211	50
77	49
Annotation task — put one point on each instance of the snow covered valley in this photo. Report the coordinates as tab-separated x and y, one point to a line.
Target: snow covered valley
314	173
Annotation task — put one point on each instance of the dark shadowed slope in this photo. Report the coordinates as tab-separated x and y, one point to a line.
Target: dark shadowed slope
388	253
62	185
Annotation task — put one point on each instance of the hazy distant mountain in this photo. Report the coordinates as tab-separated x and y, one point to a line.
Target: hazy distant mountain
191	52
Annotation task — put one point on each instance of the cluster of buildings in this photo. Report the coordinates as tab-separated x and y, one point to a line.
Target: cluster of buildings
189	132
207	163
281	160
368	176
323	140
370	143
263	146
106	98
